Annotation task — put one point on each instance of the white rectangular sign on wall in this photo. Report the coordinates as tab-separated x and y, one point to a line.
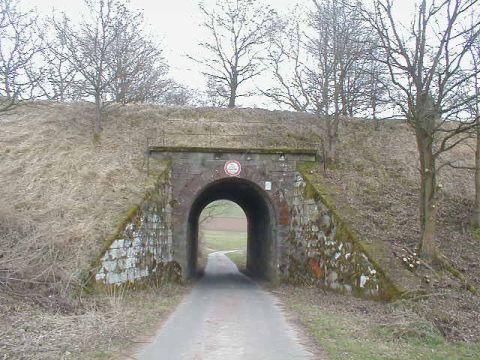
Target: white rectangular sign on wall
268	185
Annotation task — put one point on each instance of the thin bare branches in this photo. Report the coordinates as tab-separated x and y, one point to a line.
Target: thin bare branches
239	30
20	45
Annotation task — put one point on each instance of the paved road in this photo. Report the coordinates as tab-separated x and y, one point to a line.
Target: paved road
225	317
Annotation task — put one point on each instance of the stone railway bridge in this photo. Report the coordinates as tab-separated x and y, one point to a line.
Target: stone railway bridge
293	234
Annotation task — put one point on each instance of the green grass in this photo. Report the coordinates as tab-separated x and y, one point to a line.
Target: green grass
239	258
215	240
349	336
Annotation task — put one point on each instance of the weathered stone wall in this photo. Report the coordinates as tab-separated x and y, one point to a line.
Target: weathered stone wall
294	231
321	253
144	246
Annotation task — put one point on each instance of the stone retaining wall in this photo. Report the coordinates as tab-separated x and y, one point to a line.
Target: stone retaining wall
320	251
144	247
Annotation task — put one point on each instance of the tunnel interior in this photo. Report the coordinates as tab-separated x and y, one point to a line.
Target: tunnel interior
261	244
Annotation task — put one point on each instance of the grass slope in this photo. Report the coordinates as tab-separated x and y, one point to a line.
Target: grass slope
62	194
375	188
350	328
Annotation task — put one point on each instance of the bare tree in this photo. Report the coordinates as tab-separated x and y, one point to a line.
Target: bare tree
321	67
474	110
286	60
425	66
339	44
239	30
110	54
88	47
19	48
139	68
179	95
61	81
376	86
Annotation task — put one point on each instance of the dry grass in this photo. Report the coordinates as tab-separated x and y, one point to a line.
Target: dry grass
69	191
65	194
349	328
97	328
62	194
376	184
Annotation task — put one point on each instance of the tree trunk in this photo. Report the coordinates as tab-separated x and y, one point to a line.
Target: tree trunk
231	102
476	212
233	93
331	148
428	209
98	117
374	114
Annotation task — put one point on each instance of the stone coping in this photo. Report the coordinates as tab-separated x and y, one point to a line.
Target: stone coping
183	149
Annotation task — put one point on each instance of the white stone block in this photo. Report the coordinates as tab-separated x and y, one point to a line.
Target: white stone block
131	252
131	262
121	253
137	242
113	253
142	272
112	278
363	280
130	274
109	266
123	277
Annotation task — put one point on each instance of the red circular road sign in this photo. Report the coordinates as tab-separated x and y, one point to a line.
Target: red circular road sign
232	168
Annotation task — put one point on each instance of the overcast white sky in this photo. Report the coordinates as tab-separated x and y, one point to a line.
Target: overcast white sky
176	24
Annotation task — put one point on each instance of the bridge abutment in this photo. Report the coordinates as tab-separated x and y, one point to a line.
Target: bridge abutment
293	233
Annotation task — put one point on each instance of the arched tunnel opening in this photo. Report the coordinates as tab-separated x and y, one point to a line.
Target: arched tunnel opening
222	228
261	234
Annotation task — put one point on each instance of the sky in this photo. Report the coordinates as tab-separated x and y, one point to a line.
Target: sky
176	23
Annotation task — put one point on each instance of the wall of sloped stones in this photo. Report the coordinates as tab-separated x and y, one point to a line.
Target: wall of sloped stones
320	252
144	247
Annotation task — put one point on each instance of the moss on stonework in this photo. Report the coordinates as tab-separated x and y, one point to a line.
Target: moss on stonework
282	150
392	282
160	273
157	175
